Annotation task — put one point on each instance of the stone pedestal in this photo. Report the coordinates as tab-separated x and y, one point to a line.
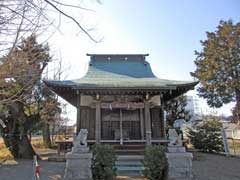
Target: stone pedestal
79	160
180	164
78	165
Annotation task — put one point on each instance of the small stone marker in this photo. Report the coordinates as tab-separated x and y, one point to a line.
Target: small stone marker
79	160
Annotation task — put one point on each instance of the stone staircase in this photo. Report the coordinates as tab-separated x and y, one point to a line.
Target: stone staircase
129	165
129	157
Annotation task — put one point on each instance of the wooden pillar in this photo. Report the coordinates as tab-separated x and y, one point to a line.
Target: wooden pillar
163	121
78	112
121	126
148	123
98	123
141	124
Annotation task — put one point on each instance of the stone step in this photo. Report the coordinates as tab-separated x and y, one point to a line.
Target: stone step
130	157
129	152
129	149
130	171
133	146
130	175
130	168
128	163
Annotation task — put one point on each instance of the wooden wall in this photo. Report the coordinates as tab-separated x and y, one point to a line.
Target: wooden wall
88	116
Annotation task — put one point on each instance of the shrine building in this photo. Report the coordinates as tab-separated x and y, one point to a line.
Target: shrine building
120	100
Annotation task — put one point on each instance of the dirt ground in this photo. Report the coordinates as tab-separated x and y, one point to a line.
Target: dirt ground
215	167
205	167
23	170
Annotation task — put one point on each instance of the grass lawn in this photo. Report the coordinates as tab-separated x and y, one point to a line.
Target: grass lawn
234	147
5	154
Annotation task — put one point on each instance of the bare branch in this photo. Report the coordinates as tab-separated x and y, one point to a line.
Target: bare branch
36	18
19	30
73	19
69	5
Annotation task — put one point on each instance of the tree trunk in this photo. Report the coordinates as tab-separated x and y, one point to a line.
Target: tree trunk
11	142
18	142
30	136
19	146
15	133
46	135
237	108
53	135
25	147
171	119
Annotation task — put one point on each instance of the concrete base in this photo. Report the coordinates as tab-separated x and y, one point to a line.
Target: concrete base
80	149
78	166
176	149
180	166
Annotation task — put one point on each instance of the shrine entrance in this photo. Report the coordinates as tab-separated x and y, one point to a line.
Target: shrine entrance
121	125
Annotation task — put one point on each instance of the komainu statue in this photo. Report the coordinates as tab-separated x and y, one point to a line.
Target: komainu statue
81	138
175	139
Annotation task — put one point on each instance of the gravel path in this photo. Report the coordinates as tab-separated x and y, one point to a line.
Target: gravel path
205	167
22	170
215	167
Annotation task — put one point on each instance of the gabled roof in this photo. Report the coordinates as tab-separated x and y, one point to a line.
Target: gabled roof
129	71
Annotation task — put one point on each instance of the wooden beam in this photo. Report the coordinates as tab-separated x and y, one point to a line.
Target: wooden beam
98	123
147	122
127	105
78	112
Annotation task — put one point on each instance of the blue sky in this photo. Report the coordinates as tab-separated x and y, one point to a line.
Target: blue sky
169	31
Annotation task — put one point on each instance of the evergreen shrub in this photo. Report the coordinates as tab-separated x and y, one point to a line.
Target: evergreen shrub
206	136
155	163
103	164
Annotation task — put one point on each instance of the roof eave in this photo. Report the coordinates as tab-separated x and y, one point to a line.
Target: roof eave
79	86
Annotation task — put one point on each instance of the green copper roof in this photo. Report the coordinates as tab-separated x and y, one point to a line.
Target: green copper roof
120	71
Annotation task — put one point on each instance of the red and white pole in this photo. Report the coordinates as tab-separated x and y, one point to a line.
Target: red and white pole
36	169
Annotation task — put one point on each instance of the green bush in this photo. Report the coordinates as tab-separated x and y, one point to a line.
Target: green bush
155	163
206	136
103	164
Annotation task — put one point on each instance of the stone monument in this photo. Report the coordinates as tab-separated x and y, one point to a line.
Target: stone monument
79	160
179	161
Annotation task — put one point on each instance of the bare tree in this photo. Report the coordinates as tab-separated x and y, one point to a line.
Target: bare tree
23	61
21	18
